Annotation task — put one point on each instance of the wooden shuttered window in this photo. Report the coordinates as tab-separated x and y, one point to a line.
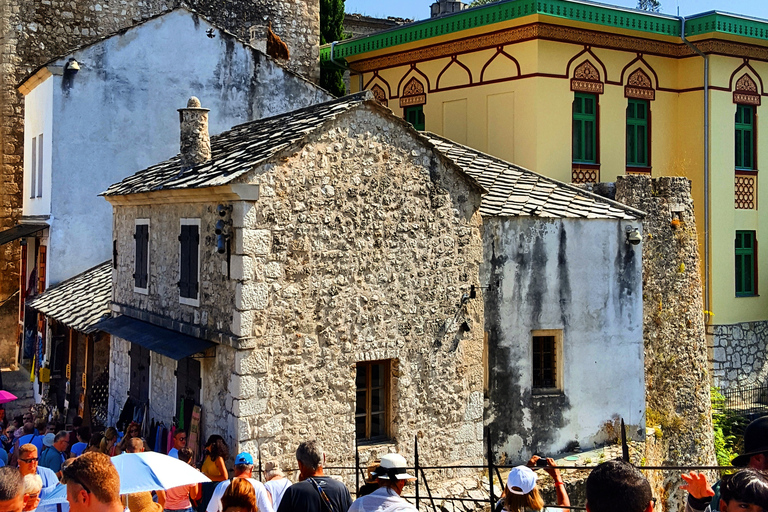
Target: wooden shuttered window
190	241
746	264
584	143
745	137
141	268
637	133
415	116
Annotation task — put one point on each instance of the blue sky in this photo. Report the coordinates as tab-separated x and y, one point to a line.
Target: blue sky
419	9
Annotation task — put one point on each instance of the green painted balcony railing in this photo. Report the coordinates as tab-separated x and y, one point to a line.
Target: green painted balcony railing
512	9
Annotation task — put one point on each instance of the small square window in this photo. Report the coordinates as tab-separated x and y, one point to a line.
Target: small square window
372	400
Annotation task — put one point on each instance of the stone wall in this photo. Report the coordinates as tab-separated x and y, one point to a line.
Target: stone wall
359	248
119	377
738	355
34	31
677	381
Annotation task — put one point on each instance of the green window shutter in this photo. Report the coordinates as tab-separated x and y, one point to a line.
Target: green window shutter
415	116
637	133
745	247
584	143
745	137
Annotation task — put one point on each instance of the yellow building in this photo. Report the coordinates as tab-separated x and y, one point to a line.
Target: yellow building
586	92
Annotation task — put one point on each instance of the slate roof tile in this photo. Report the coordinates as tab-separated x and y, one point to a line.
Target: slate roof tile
516	191
80	302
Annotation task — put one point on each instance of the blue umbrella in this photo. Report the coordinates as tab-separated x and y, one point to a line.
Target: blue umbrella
150	471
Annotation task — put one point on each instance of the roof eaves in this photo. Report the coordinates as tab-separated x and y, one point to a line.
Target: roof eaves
580	191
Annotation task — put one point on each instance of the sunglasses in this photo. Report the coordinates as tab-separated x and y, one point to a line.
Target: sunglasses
29	461
69	476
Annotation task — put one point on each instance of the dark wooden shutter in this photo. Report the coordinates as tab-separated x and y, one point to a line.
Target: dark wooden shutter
190	239
141	274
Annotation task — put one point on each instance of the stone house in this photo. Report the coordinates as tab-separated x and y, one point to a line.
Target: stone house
563	310
325	265
81	108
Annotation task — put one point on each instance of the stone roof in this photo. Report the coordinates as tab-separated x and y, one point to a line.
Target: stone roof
515	191
81	301
241	149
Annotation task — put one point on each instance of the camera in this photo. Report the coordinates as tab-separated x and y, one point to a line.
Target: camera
542	463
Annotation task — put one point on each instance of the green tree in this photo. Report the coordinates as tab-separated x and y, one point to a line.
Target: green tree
475	3
332	29
649	5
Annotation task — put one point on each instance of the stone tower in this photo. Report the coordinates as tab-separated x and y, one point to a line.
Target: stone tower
678	404
34	31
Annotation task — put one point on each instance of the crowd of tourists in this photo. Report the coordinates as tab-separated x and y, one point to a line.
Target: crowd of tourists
42	459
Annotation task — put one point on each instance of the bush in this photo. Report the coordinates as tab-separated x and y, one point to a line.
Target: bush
728	429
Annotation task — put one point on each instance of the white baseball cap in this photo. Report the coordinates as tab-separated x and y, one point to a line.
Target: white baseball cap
393	465
523	478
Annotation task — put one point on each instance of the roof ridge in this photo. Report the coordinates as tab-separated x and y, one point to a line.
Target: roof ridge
542	176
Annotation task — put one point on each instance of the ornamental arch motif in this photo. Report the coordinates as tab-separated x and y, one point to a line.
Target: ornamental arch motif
639	86
746	91
586	78
413	93
379	95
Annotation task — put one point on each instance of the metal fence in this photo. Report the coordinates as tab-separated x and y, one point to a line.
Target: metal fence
423	495
747	401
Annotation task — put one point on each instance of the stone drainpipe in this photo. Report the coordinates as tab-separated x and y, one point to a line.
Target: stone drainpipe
195	141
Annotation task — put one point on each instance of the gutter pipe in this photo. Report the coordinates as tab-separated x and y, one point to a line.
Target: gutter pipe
698	52
345	68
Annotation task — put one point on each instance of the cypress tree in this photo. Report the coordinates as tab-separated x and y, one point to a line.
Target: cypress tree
332	29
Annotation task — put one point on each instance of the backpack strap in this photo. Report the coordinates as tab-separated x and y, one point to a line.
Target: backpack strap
324	499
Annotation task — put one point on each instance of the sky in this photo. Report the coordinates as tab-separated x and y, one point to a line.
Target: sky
419	9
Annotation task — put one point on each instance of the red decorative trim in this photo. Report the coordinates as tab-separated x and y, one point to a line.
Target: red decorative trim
587	50
585	173
646	171
499	51
380	95
746	91
640	58
453	60
374	77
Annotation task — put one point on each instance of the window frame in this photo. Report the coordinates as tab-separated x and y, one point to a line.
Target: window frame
40	164
557	334
190	301
387	387
582	118
645	124
742	253
417	109
751	129
33	169
137	223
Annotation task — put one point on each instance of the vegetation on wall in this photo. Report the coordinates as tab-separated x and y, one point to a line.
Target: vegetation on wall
332	29
728	427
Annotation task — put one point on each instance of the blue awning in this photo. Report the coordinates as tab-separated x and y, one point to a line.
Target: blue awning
157	339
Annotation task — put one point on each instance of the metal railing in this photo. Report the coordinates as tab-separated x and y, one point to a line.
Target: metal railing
422	493
744	401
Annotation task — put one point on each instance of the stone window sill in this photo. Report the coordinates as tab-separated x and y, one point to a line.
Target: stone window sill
547	392
376	443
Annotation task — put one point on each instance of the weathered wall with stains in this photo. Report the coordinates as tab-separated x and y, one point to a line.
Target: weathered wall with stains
677	380
581	277
35	31
118	114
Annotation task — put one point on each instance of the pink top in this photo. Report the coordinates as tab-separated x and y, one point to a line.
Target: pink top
177	498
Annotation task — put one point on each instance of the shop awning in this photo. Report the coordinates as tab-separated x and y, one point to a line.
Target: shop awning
157	339
20	231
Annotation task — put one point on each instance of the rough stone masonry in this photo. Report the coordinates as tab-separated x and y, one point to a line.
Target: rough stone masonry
34	31
359	248
676	376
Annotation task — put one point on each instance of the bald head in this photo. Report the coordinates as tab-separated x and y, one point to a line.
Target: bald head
135	445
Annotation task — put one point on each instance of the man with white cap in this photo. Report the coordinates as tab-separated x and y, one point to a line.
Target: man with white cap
392	476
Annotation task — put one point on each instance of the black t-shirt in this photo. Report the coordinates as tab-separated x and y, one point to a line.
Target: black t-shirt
304	497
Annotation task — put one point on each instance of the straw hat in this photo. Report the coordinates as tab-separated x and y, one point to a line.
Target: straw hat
142	502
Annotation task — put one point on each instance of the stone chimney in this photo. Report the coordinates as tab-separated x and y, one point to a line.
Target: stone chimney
443	7
195	141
